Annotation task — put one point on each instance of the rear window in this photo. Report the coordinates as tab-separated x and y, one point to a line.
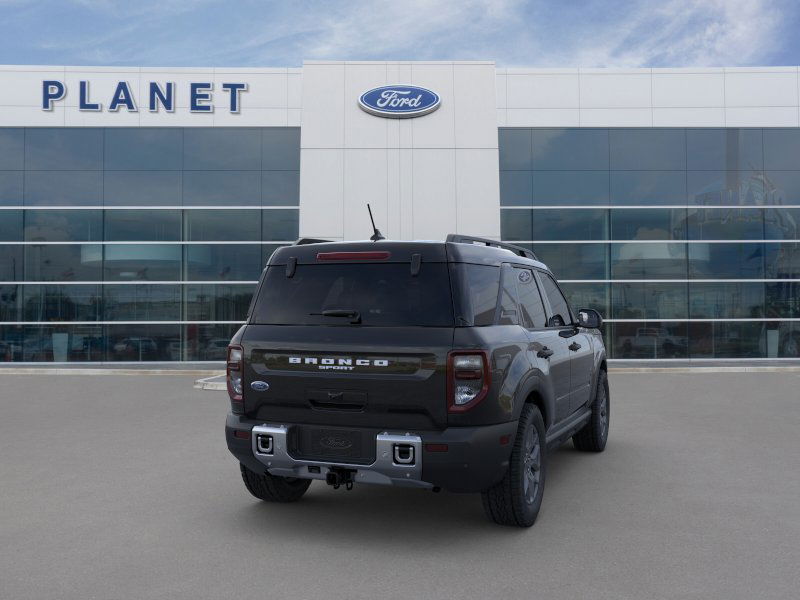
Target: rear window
384	295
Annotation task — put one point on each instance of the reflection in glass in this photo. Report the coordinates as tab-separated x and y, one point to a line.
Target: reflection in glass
726	261
143	342
648	261
10	305
280	147
649	339
142	225
11	263
143	148
724	149
570	149
574	261
63	148
516	188
67	262
782	148
648	187
142	302
783	299
648	149
12	148
153	262
62	303
558	224
783	340
727	340
208	342
726	224
732	188
726	300
63	188
62	343
234	262
638	300
11	188
280	224
782	260
63	225
221	188
515	149
516	225
280	188
222	225
648	224
588	295
218	302
142	188
556	188
221	148
10	226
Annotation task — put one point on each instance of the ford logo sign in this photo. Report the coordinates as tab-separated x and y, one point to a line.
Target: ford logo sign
399	101
335	443
260	386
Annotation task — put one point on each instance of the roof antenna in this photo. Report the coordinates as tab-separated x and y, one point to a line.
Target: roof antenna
377	235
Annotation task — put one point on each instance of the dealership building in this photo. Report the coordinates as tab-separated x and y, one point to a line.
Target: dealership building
138	206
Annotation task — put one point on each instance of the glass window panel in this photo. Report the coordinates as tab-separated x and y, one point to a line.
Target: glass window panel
727	340
11	339
280	188
588	295
142	225
516	188
62	303
649	224
63	343
143	148
726	300
479	286
222	225
64	188
649	339
10	308
781	223
726	224
648	149
575	261
222	148
11	189
142	302
63	225
208	342
12	148
783	340
570	149
142	188
726	261
560	313
515	149
508	298
570	188
68	262
648	261
10	226
782	299
280	224
235	262
782	261
730	188
783	187
153	262
221	188
218	302
63	148
530	300
11	263
724	149
637	300
516	225
581	224
648	187
280	148
143	342
782	148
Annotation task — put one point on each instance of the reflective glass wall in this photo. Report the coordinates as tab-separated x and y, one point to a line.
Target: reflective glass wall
685	240
137	244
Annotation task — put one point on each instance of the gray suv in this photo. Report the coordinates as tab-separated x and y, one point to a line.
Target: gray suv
454	365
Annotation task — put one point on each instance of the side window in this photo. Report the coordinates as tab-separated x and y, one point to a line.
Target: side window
507	303
530	301
558	303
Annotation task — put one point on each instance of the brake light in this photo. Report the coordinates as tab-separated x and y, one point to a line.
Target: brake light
234	376
468	379
372	255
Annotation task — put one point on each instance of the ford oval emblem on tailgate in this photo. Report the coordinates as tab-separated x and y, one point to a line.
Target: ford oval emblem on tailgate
335	443
260	386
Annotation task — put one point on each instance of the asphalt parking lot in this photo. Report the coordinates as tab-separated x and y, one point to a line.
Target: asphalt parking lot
122	487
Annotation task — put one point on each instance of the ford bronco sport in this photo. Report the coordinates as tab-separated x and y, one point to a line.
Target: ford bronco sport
452	365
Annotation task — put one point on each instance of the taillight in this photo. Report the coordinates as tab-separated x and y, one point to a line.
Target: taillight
468	379
234	376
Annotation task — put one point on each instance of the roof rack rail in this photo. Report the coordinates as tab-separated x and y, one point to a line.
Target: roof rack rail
469	239
304	241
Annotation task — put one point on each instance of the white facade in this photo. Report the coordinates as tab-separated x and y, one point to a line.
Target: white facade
425	176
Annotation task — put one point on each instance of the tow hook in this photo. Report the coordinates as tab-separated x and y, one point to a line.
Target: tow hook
337	477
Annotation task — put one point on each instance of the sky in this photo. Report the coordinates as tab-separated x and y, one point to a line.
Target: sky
566	33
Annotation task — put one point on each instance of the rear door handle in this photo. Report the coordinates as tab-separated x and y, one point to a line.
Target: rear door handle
574	346
545	352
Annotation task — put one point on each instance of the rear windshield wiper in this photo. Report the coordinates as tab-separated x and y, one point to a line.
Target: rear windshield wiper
353	315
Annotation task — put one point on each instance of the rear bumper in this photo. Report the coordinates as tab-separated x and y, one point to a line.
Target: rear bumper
475	457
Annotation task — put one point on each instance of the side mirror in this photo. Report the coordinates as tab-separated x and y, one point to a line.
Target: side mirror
589	318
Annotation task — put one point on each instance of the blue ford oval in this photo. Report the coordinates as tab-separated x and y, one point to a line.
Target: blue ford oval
260	386
399	101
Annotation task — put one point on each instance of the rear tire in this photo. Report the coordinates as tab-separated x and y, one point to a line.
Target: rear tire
516	500
273	489
593	436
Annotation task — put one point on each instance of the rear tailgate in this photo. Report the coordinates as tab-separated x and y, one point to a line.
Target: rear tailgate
373	377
